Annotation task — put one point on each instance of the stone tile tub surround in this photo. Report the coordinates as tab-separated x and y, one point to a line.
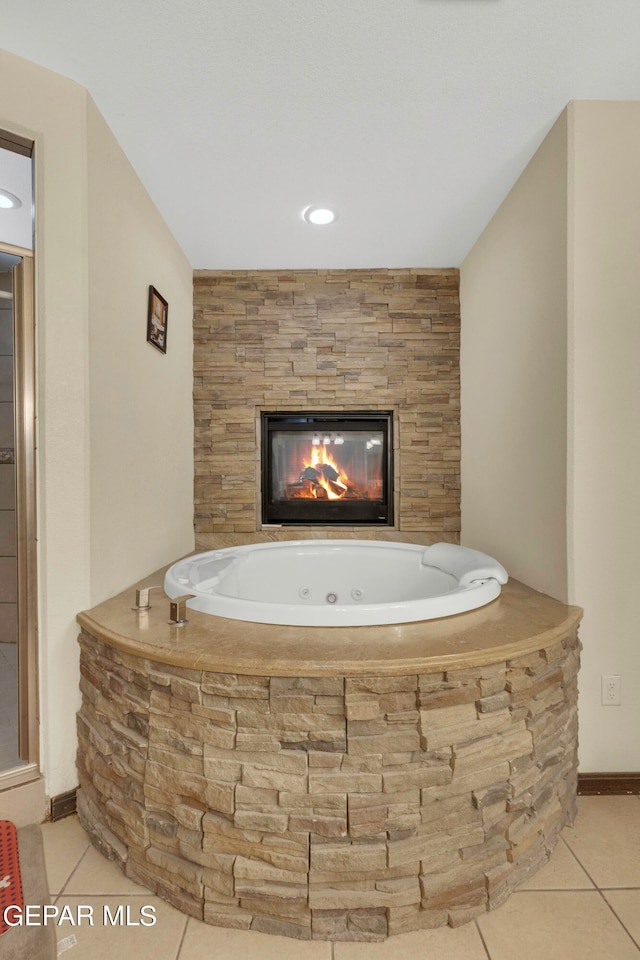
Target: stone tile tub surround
324	340
352	800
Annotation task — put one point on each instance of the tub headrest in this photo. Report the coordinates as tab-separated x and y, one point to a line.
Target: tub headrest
464	564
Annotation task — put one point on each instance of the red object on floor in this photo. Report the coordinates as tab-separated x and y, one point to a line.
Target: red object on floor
10	880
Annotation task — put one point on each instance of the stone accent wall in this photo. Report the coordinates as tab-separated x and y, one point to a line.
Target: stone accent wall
328	807
324	340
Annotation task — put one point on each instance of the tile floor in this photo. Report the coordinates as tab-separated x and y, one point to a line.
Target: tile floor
584	905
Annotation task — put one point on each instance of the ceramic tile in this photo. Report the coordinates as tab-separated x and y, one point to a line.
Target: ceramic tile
9	751
461	943
8	735
203	940
8	538
563	872
8	678
9	700
8	726
9	717
8	704
102	941
6	379
558	925
24	804
9	721
8	650
65	843
7	486
606	840
6	424
626	905
6	332
8	578
95	875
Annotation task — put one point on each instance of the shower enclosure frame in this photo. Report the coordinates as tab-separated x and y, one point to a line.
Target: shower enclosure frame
27	767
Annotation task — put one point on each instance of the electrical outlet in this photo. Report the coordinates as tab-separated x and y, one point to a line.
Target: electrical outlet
611	691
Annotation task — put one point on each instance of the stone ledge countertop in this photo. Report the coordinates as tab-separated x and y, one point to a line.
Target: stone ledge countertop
519	621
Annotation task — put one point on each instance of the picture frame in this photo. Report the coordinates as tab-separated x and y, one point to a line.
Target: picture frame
157	317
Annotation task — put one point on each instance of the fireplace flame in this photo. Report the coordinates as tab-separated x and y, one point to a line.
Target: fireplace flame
334	480
315	473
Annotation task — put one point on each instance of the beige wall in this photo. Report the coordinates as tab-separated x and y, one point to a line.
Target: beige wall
141	404
72	388
604	325
513	376
550	298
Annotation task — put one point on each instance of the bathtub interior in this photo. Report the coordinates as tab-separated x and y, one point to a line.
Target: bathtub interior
309	573
334	582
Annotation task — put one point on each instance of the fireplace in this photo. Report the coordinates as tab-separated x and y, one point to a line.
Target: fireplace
327	468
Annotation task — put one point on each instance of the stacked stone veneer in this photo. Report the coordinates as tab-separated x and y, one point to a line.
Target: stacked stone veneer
326	340
328	807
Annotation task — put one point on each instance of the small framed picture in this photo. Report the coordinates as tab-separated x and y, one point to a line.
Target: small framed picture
157	320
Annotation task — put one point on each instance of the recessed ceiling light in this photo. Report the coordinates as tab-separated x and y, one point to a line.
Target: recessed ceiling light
318	215
8	201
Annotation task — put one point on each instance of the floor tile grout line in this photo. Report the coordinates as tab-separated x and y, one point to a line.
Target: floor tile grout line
579	862
121	896
78	862
597	886
182	938
631	886
482	940
631	937
557	890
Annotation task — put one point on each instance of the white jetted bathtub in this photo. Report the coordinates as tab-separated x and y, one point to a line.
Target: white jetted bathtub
336	582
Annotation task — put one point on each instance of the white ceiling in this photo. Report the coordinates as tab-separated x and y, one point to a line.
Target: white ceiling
412	117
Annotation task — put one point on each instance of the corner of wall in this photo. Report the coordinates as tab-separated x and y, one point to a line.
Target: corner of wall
513	376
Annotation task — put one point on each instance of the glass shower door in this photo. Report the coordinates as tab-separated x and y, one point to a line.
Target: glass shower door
19	733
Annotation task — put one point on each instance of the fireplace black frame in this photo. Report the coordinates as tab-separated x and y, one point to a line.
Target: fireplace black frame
327	512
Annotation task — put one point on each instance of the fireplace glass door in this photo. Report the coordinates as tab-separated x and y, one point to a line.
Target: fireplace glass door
327	468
